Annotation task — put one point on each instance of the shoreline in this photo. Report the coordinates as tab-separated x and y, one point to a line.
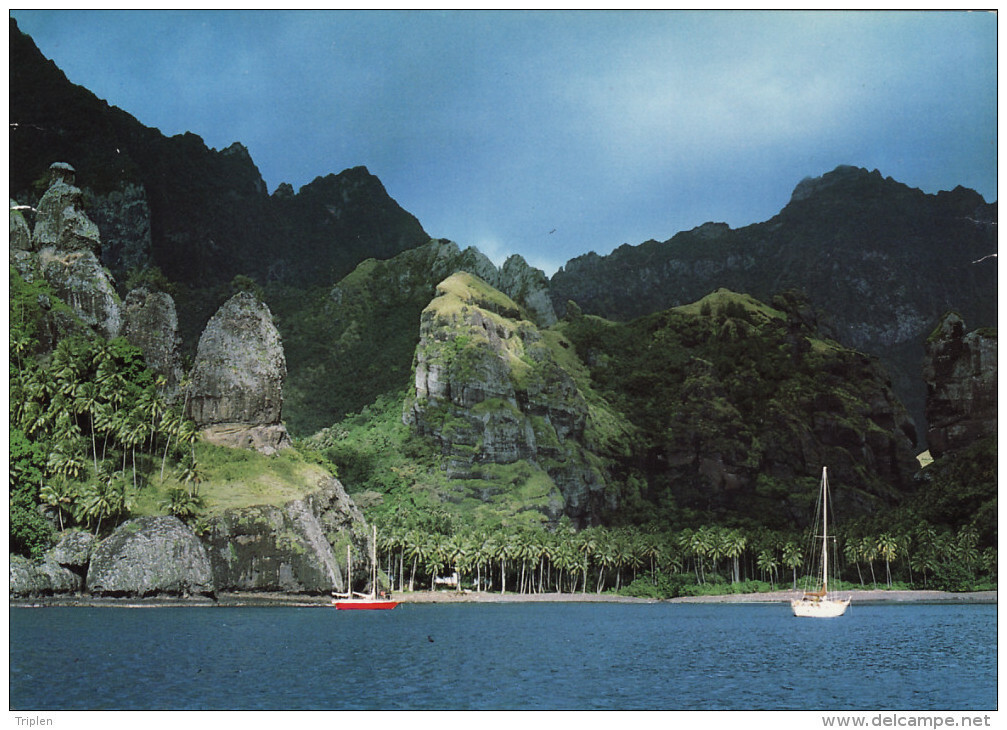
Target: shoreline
247	600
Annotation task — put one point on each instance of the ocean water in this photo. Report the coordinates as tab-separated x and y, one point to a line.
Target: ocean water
546	656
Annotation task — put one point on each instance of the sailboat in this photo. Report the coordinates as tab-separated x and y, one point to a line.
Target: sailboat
351	600
820	603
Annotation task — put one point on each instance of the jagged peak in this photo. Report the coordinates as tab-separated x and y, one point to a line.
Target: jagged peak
810	186
463	289
710	229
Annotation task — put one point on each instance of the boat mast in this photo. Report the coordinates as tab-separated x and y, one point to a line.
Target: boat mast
374	561
825	530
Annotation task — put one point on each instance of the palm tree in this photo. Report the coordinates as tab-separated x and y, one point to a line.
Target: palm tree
586	545
170	423
965	549
697	544
104	498
190	475
457	553
888	548
736	543
851	552
86	400
567	561
869	552
60	494
717	546
793	559
653	551
182	504
767	564
503	552
607	557
68	466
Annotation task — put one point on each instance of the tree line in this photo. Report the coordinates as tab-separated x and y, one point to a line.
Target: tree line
651	561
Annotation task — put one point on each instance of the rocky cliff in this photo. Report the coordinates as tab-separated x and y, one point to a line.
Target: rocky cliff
299	547
490	390
884	260
149	322
738	404
338	365
236	394
960	371
61	250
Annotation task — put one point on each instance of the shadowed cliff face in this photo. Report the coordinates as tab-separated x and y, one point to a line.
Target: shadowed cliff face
201	215
960	371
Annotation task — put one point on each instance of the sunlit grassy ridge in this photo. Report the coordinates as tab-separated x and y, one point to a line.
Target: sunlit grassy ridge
236	478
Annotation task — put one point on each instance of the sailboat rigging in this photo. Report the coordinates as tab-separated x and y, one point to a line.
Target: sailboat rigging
820	602
365	601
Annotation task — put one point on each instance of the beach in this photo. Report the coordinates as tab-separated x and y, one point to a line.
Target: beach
450	596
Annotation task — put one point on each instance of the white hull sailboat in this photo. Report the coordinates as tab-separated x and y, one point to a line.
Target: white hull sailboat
820	603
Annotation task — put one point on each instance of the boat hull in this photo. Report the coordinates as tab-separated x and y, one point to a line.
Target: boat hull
825	608
363	604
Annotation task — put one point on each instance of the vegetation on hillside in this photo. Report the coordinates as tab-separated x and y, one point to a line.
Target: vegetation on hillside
737	405
93	441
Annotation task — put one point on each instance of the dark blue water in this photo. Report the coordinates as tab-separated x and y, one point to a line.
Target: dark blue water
504	656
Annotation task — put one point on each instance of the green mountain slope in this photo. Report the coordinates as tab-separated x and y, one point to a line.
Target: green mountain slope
885	261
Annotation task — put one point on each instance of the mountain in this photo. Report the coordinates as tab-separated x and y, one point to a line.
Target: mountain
884	260
723	410
351	342
202	216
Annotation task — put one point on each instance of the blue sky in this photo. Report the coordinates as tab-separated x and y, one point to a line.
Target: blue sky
551	134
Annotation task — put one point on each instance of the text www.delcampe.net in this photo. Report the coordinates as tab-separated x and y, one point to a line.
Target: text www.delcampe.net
906	720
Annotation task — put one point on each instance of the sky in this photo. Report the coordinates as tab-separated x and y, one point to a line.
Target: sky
554	133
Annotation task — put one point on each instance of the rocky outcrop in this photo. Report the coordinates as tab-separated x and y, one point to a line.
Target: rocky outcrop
236	394
20	233
61	222
960	371
66	242
61	569
489	390
21	256
530	287
740	403
149	322
45	577
385	296
78	279
150	556
297	548
73	550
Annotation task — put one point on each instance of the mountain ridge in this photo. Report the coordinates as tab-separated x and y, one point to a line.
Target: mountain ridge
886	262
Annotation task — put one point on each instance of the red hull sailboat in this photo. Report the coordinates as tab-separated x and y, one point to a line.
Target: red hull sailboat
365	604
351	601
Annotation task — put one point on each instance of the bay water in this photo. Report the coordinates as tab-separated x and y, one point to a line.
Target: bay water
506	656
